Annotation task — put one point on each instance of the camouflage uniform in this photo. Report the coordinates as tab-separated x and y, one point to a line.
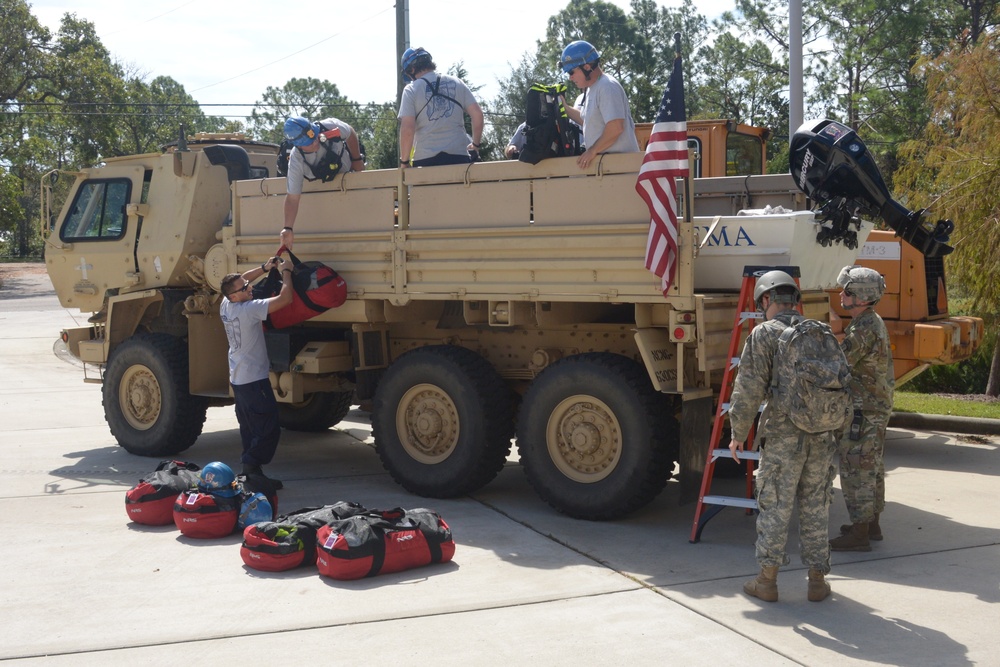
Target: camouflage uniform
862	465
795	466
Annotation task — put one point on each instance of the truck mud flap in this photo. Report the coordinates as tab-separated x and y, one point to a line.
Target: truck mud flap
696	431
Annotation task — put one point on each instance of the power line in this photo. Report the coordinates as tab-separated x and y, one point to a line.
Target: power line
302	50
153	18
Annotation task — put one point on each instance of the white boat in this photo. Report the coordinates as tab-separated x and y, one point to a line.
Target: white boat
728	243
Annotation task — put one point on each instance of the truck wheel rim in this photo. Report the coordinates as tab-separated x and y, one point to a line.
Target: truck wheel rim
427	423
584	439
139	397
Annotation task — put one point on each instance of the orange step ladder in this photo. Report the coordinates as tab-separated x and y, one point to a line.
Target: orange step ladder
746	316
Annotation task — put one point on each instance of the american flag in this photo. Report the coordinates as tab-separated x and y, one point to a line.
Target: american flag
666	159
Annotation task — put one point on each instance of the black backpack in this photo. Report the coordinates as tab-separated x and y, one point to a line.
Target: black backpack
548	131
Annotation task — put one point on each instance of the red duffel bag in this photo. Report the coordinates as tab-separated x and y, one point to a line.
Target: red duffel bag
380	542
206	515
316	288
151	500
290	540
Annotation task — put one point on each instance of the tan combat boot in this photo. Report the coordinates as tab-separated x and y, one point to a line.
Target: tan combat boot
874	530
764	586
855	539
818	586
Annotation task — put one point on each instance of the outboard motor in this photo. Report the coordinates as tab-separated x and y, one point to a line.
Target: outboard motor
834	168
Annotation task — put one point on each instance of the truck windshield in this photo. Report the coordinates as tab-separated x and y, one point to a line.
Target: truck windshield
98	211
744	155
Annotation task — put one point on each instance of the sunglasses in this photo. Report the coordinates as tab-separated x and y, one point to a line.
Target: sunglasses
246	286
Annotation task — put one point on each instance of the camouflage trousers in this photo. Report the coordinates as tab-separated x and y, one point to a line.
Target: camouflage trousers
795	469
862	468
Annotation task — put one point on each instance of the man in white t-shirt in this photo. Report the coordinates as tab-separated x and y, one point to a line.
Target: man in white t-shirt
256	408
603	111
321	151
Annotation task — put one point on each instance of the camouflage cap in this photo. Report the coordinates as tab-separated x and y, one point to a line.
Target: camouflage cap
862	283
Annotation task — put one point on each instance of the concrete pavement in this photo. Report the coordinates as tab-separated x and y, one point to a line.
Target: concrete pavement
80	585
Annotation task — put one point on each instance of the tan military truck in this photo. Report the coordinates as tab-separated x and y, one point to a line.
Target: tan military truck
495	301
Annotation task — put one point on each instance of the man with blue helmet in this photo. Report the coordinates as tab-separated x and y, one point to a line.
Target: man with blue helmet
603	111
432	115
321	150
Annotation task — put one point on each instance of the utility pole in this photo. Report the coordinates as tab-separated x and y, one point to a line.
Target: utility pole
795	87
402	42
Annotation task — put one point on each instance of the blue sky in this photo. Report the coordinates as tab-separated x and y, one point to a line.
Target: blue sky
225	56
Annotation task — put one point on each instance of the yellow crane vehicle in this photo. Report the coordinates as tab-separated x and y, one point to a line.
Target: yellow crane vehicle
486	302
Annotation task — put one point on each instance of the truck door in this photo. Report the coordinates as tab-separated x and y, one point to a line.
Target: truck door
94	249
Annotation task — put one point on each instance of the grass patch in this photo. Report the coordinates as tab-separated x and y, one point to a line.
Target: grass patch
937	404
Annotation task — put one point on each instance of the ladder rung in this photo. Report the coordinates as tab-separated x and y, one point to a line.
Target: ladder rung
725	453
730	501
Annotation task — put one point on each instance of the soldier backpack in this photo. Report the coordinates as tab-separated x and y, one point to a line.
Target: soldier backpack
810	378
548	131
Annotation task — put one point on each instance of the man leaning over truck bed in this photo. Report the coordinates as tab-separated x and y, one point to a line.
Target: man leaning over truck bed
321	151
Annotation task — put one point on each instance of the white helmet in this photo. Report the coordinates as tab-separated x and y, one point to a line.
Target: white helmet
862	283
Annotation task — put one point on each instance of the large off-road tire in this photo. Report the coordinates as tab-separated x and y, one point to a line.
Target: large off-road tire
146	399
442	421
596	440
318	412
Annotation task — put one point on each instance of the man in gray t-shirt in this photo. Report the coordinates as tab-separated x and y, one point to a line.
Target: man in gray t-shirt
256	408
432	115
321	151
604	111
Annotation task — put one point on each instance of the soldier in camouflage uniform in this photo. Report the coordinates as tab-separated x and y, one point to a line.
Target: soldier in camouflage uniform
795	466
862	466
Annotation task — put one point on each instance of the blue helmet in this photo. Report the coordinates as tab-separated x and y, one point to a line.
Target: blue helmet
577	53
218	479
254	509
411	58
300	132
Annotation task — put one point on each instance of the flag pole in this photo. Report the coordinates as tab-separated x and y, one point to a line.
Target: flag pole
666	160
685	269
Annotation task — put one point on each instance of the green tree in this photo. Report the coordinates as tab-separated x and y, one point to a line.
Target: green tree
24	57
83	85
151	114
11	213
653	56
382	142
309	97
953	169
506	111
615	36
742	81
